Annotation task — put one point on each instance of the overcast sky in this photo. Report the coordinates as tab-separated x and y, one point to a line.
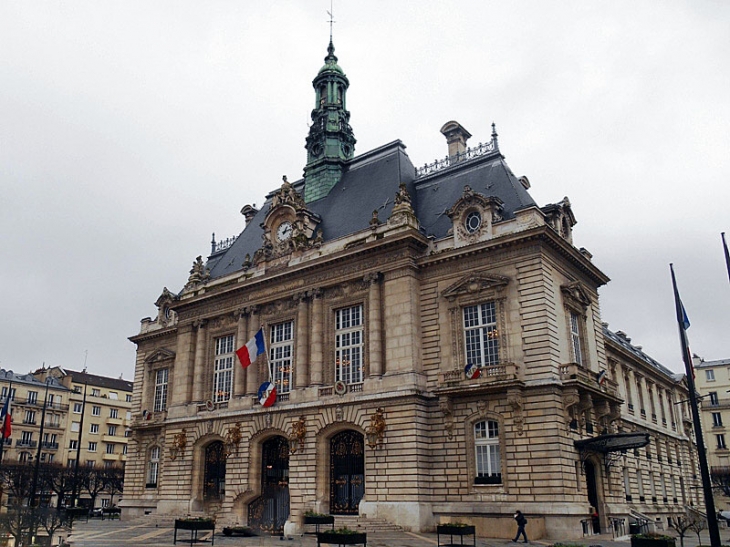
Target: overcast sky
132	130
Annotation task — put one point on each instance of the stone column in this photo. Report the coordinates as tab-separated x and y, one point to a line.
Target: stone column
317	354
239	377
252	371
302	358
375	325
199	379
402	322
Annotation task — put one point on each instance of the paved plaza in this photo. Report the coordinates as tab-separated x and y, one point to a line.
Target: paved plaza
115	533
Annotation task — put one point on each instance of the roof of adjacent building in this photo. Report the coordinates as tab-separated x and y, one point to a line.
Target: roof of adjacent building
716	363
99	381
10	376
624	341
370	183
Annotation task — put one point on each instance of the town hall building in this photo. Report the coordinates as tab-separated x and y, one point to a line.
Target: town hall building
434	352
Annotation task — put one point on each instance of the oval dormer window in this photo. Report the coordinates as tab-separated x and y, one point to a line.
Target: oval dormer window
473	222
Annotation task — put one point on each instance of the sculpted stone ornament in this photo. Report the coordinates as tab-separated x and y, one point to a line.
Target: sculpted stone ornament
446	407
199	275
165	316
179	442
402	213
474	214
298	434
233	439
375	432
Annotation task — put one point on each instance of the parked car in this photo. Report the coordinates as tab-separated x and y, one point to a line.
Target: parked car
95	512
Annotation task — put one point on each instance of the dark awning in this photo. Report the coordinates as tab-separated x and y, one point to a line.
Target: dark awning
613	443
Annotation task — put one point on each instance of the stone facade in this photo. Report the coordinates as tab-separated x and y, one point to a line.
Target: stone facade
370	329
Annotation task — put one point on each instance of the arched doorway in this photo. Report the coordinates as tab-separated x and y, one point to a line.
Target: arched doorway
269	511
214	482
592	487
347	472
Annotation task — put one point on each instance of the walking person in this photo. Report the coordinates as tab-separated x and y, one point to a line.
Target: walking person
521	522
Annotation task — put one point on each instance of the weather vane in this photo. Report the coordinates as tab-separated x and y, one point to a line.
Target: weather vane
332	19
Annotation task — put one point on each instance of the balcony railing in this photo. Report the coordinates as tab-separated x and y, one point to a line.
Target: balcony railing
49	446
26	444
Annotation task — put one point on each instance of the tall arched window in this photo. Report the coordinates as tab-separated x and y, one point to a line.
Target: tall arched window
487	451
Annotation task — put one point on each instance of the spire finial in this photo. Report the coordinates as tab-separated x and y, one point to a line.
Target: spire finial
494	136
331	20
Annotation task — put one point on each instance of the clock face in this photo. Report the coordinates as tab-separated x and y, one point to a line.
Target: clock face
283	232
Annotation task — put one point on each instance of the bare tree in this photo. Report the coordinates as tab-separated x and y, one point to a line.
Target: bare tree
697	525
59	479
113	481
681	524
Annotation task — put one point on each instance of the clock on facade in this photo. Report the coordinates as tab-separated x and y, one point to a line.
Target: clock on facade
284	231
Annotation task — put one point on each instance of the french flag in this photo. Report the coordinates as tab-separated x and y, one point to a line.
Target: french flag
247	354
6	419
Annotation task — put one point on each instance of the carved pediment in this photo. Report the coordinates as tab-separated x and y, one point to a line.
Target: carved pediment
159	355
165	315
475	284
576	295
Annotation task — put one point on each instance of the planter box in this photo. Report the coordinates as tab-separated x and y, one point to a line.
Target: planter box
335	538
452	530
194	526
319	519
648	542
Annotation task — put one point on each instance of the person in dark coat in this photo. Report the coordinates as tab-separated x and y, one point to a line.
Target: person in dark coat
521	522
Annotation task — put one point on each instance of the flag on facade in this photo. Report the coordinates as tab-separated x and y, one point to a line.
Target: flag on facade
727	255
601	377
472	372
248	353
6	418
267	394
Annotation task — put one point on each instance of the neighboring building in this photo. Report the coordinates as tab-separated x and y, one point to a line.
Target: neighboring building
102	407
659	479
435	341
27	396
712	380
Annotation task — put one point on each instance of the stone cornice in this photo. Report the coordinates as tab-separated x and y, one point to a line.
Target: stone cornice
543	234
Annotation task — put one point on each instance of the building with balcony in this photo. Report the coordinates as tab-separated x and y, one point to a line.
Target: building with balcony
433	352
712	379
28	396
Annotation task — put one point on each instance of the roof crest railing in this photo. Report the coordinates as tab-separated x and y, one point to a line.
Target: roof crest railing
482	149
222	245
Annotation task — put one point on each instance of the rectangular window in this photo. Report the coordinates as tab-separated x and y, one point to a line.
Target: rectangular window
71	462
105	501
720	441
710	375
349	345
482	335
575	338
94	428
714	401
96	410
95	392
92	447
51	457
124	449
281	355
77	408
161	377
114	413
26	437
223	375
29	417
153	467
33	397
128	398
90	464
5	393
716	419
112	430
114	395
73	445
110	448
486	442
75	427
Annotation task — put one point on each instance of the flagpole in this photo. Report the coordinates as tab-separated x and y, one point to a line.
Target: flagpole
727	255
683	324
2	435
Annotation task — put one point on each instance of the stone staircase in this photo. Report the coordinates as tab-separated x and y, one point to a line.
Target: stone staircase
365	524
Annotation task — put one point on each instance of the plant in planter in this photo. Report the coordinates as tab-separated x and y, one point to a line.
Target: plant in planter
455	529
652	540
243	531
312	517
342	536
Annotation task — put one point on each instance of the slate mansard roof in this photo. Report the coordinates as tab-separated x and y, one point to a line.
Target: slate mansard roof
371	181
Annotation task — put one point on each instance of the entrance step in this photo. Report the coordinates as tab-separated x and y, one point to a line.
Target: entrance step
365	524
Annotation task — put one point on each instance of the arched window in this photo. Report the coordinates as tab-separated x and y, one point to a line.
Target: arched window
487	452
153	467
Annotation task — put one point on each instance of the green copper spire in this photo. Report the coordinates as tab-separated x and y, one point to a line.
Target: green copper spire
330	143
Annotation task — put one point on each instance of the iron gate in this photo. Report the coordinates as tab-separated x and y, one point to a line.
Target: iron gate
215	471
269	511
347	472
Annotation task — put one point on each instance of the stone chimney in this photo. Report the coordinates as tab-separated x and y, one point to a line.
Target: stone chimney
456	137
249	212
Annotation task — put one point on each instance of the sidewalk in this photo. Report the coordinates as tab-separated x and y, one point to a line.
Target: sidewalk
96	533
